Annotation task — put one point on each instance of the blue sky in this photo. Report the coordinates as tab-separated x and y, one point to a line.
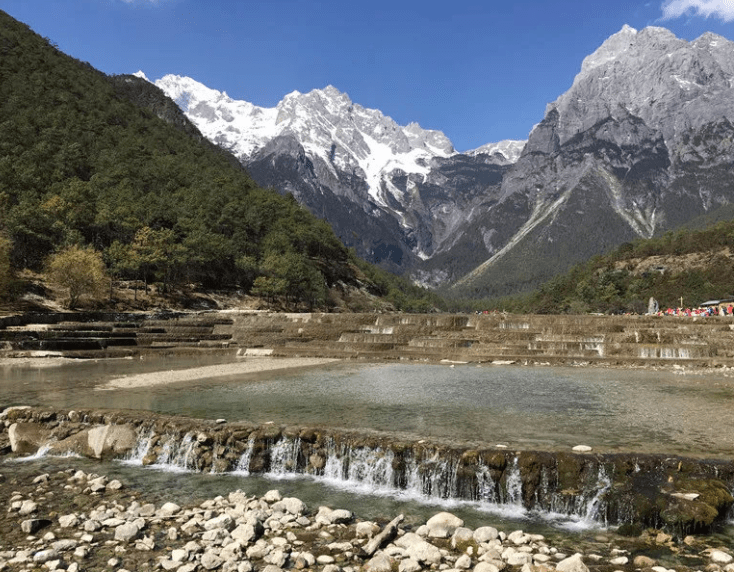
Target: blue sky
478	70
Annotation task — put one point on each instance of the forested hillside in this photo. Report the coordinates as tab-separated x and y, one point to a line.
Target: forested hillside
686	267
109	163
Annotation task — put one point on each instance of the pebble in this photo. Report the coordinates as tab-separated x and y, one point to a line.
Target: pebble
238	533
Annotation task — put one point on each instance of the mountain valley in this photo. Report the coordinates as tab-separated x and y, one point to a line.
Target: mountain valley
640	144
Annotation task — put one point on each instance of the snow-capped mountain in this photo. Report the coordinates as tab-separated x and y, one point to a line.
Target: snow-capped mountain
326	123
345	161
508	150
642	142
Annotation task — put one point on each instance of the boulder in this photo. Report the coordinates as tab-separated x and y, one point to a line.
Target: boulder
27	438
409	565
462	538
248	532
33	525
486	567
210	561
28	507
68	521
720	557
572	564
443	525
223	521
168	510
418	549
127	532
485	534
290	505
111	440
380	562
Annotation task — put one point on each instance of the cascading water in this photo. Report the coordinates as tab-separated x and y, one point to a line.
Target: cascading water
512	485
511	494
432	478
361	468
177	455
141	449
284	457
243	465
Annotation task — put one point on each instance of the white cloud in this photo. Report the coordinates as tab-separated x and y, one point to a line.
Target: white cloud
723	9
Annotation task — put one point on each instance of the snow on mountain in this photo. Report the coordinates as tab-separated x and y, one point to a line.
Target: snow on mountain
324	121
510	149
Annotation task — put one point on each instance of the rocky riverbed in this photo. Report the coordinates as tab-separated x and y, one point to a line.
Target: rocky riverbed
77	521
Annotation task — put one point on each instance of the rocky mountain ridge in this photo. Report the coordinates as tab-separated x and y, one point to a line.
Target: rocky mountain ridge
354	166
640	143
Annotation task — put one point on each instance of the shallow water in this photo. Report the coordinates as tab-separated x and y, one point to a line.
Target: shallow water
521	407
612	410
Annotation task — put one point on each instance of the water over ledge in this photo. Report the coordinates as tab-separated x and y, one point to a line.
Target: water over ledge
684	495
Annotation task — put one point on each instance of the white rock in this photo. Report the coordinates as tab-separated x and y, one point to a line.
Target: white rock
461	535
721	557
27	507
222	521
582	449
210	561
272	496
463	562
366	529
443	525
68	521
486	567
572	564
179	555
98	484
290	505
64	544
485	534
112	440
45	555
518	558
168	510
409	565
619	561
306	559
518	538
417	548
127	532
380	562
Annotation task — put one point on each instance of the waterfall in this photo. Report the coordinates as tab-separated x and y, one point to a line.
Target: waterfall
361	467
284	457
578	494
178	455
594	504
138	453
486	487
512	493
243	465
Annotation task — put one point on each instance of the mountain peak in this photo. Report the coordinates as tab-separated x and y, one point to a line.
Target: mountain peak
612	48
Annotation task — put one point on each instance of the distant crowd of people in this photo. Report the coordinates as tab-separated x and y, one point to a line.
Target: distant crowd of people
707	311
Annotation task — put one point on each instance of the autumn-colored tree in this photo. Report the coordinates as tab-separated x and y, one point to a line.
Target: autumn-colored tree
79	269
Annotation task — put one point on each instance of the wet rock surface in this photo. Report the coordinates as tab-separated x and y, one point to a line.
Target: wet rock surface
64	521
